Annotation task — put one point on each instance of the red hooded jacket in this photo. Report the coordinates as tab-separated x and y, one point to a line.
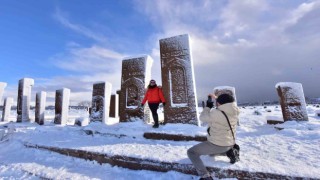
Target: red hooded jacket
154	95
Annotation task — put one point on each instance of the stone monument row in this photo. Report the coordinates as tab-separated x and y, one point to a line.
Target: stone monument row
2	86
178	80
62	106
40	107
101	94
24	98
292	101
8	102
136	74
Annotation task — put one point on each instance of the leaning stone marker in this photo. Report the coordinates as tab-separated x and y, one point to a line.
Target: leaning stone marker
8	102
217	91
292	101
2	86
62	106
100	102
178	82
136	73
114	106
40	107
24	98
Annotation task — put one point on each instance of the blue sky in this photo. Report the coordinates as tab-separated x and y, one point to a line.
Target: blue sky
250	45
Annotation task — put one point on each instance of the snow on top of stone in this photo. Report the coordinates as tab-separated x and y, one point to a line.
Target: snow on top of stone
3	84
137	56
296	89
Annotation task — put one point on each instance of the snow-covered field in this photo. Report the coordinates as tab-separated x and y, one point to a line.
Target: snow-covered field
293	151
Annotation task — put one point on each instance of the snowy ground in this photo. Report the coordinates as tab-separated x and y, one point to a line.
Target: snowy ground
292	151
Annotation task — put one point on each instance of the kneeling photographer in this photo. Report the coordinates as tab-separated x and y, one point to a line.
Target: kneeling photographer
222	123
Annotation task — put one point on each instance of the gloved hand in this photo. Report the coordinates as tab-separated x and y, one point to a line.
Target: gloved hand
163	103
142	104
209	104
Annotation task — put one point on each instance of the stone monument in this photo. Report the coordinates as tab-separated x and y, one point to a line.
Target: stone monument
2	86
292	101
62	106
178	82
24	98
114	106
8	102
136	74
100	102
40	107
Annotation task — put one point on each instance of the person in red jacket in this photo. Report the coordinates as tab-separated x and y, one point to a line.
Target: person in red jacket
154	96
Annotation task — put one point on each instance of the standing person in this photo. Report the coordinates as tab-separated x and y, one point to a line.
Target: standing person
154	96
220	139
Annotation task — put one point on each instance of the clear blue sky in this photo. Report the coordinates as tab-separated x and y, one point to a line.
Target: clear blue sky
250	45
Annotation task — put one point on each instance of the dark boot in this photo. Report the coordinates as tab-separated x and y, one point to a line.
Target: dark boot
155	126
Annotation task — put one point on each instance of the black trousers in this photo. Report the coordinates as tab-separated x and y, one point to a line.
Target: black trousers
154	107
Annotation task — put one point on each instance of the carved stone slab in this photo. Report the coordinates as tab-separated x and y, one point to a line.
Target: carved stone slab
100	101
24	98
40	107
2	86
292	101
8	102
136	74
62	106
114	106
178	81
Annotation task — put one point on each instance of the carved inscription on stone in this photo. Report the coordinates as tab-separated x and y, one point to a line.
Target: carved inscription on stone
178	81
97	102
178	84
135	73
292	101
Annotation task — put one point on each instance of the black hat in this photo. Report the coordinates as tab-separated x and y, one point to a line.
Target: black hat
225	98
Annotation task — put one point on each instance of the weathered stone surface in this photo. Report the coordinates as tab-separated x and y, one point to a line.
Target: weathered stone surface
101	102
135	73
153	165
178	81
2	86
292	101
114	106
40	107
24	98
62	106
173	137
8	102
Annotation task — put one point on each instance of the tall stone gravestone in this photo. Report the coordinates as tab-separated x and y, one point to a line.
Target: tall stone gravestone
62	106
40	107
101	101
217	91
292	101
24	98
114	106
7	108
178	81
2	86
136	74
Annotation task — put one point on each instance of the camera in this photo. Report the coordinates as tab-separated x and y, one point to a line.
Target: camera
209	102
